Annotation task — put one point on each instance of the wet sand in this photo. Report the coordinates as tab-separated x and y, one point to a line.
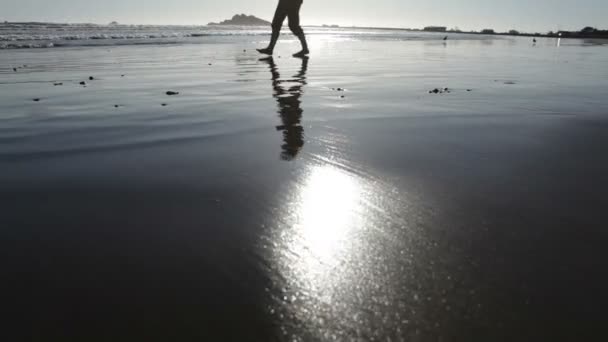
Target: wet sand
263	203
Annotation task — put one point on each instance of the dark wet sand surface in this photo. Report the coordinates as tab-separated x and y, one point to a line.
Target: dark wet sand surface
466	218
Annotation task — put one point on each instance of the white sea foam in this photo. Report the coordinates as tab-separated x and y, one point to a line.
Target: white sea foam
44	35
33	35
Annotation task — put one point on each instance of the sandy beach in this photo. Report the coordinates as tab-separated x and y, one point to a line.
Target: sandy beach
330	198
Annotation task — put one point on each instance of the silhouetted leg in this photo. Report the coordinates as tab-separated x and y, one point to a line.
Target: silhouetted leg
279	17
294	26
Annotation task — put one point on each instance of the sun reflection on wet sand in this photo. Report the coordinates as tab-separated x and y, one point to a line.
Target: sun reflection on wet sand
349	258
326	255
329	202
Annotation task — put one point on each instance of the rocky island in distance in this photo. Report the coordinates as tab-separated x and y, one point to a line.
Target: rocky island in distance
243	20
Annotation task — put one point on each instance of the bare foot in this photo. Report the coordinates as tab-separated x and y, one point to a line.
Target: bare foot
265	51
301	54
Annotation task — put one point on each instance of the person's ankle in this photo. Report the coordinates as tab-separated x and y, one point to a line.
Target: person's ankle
302	53
267	51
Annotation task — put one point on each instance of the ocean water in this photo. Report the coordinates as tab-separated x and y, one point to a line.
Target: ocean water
47	35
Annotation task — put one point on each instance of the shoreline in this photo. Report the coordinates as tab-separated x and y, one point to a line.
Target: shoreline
565	34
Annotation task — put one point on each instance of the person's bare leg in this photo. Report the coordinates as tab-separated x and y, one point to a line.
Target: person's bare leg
273	41
294	25
277	22
305	50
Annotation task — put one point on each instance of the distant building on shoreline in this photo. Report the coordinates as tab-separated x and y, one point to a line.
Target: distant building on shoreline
435	29
488	31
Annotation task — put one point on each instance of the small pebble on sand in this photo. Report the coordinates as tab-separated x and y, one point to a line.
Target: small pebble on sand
445	90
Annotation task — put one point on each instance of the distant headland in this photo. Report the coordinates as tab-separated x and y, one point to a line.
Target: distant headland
243	20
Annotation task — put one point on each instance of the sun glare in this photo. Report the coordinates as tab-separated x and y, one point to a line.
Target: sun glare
327	209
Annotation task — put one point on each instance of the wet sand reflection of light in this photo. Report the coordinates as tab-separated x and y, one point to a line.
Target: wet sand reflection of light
327	210
317	244
330	254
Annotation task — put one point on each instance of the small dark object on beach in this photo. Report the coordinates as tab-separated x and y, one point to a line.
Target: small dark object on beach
244	50
510	82
122	75
83	83
339	89
445	90
116	106
342	96
36	100
58	84
171	93
15	69
91	78
469	89
445	38
163	104
534	40
210	64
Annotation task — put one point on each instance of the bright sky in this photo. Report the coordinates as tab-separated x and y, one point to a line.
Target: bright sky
524	15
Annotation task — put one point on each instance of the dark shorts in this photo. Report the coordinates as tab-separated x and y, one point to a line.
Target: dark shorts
288	9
